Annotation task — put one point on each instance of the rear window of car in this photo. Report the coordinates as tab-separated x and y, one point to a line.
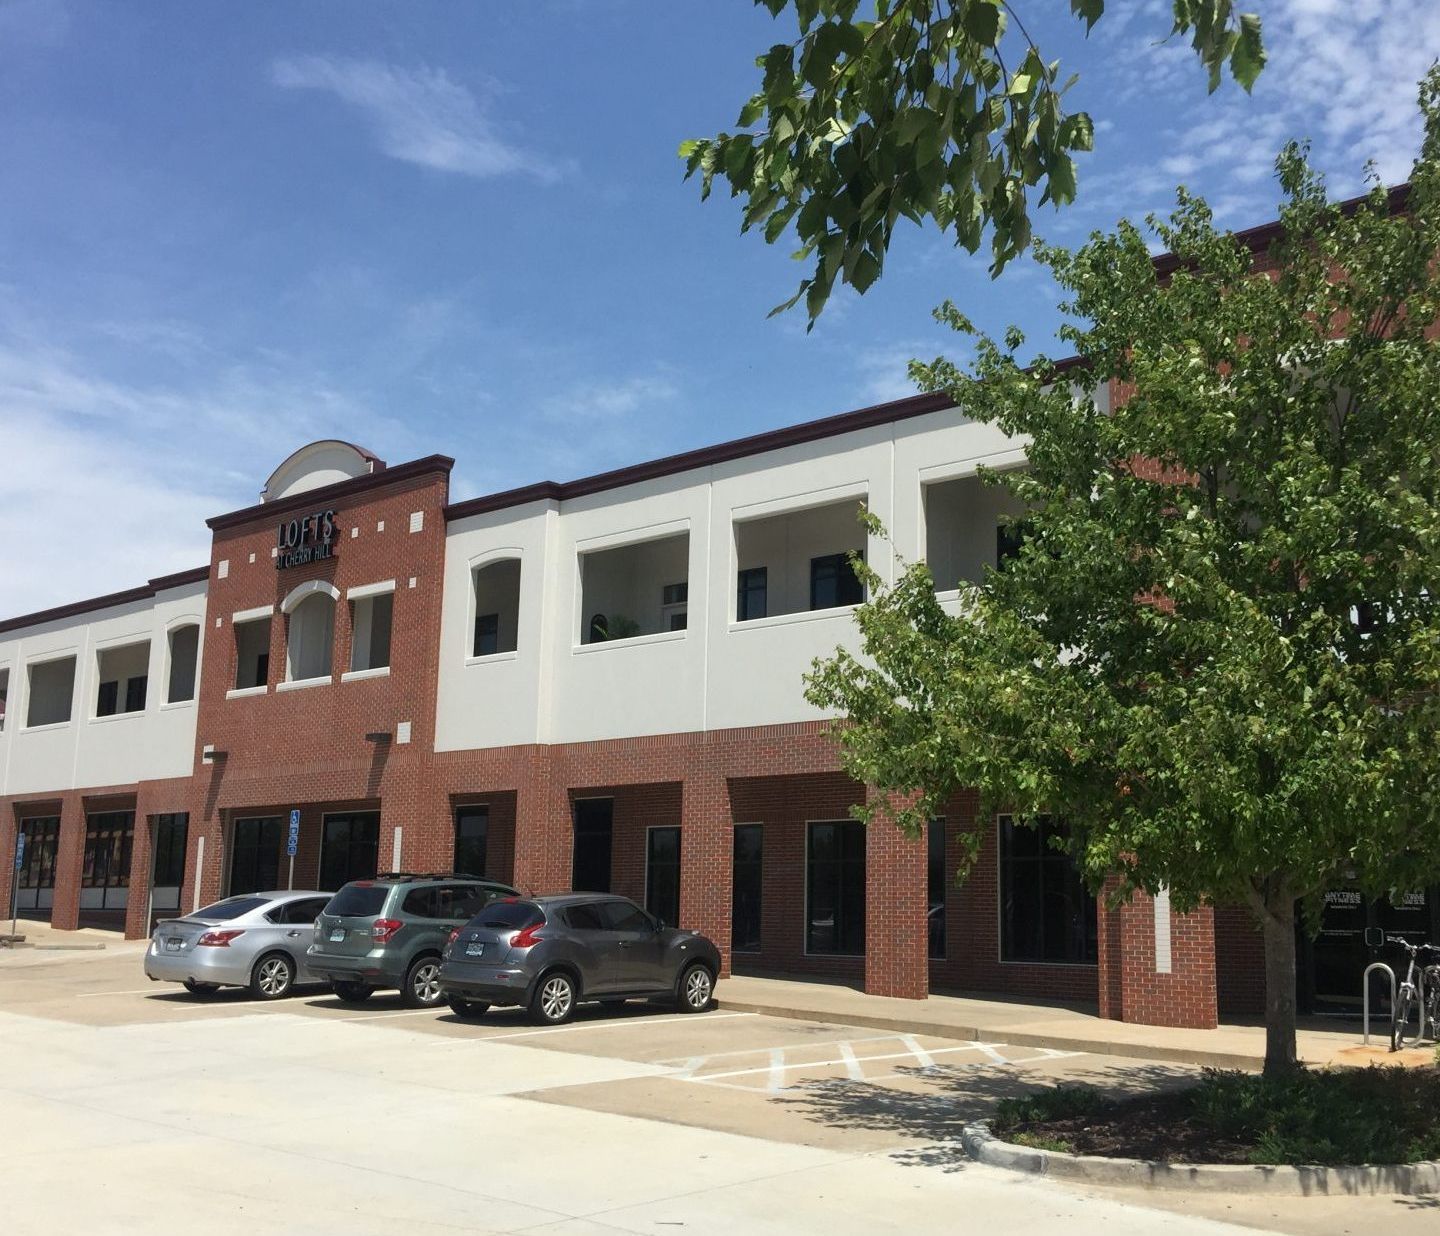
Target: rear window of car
504	915
356	900
231	907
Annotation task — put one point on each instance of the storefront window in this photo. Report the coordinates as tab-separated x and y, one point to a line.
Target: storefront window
835	887
662	874
1046	913
746	888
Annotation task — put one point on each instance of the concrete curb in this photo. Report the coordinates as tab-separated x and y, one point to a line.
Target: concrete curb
1283	1181
994	1034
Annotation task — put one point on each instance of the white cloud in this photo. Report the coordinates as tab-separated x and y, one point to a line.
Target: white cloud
109	482
419	115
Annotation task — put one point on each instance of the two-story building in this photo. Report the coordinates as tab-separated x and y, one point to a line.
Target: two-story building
595	684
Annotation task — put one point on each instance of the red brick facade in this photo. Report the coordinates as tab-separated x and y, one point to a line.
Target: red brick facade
341	745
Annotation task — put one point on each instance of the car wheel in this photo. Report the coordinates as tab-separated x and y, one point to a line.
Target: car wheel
554	999
272	977
351	993
467	1008
201	989
422	984
697	988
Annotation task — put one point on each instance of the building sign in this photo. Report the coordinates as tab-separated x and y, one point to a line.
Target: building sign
308	539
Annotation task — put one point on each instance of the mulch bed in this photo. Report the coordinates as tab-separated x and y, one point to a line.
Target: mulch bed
1158	1130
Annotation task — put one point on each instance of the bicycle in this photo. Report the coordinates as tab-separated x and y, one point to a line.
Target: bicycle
1407	1008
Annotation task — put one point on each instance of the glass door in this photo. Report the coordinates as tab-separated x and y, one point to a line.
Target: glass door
35	889
350	848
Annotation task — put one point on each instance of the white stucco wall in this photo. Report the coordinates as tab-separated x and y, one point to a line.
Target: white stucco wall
88	750
717	674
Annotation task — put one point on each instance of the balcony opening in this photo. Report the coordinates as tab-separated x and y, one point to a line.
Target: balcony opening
252	653
4	696
632	590
370	624
798	561
497	607
124	678
966	529
184	661
311	637
52	692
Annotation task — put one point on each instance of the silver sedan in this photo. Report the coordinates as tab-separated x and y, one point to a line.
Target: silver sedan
257	940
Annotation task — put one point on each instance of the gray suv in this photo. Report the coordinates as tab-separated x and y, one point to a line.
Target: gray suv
551	953
389	932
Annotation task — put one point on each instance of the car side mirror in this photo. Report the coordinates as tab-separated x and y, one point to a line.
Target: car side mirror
1374	937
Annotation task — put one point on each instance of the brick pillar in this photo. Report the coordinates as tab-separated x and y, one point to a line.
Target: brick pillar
69	863
706	861
1156	989
137	896
896	943
9	827
544	830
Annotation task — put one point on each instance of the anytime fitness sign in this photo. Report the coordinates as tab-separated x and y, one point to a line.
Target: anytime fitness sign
309	539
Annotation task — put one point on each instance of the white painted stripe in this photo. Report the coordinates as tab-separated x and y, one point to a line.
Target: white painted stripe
776	1070
989	1050
199	870
395	851
777	1061
672	1019
852	1065
1162	930
920	1054
138	991
755	1051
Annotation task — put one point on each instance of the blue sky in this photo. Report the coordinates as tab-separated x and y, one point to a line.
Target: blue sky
460	227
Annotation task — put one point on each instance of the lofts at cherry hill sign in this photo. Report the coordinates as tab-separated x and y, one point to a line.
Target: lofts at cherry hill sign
311	538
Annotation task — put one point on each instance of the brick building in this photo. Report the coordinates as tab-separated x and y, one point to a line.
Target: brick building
594	684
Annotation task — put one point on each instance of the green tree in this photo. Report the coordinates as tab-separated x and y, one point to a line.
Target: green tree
943	110
1217	654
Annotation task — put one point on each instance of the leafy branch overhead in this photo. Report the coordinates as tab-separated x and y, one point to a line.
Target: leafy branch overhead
937	109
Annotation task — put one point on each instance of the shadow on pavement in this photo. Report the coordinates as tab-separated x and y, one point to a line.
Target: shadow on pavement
954	1096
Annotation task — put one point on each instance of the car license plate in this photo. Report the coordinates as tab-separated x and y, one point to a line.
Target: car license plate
337	934
173	946
474	950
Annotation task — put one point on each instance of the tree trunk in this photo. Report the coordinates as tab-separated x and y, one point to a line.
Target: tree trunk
1277	928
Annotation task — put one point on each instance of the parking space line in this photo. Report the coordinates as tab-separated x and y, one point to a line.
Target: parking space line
777	1070
396	1013
920	1054
139	991
852	1065
669	1019
778	1066
754	1051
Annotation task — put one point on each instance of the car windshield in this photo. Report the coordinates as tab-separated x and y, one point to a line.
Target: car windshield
230	908
357	900
509	915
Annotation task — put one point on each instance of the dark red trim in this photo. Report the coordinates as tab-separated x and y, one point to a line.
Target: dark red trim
1258	238
265	511
195	575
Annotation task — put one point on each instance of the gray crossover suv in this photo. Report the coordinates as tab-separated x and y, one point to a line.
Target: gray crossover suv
550	953
389	932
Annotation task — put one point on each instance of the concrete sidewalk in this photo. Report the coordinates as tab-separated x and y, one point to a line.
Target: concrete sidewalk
1066	1027
43	936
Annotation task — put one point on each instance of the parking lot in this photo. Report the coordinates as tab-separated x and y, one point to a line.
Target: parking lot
173	1112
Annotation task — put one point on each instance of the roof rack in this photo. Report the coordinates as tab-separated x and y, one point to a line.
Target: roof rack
429	875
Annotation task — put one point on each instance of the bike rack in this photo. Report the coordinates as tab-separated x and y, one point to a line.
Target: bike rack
1365	993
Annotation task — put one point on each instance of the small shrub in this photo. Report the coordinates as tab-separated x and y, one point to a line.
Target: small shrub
1042	1141
1061	1103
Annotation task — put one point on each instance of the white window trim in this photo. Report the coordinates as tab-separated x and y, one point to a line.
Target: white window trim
299	684
308	589
632	641
252	615
380	671
369	590
49	725
236	693
490	658
800	615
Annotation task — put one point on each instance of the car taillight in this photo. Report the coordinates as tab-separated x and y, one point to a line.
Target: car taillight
220	939
382	929
527	937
